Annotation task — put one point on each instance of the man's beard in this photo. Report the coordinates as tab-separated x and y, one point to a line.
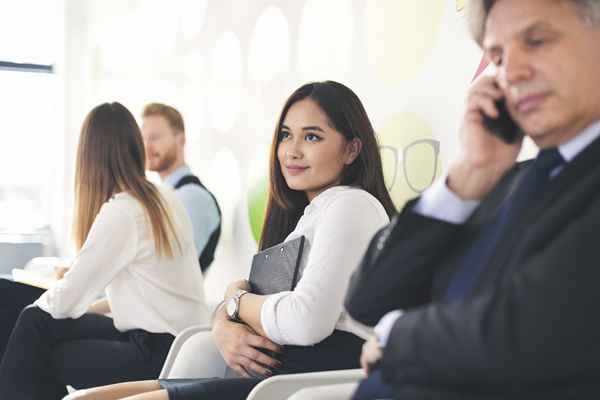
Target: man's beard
163	163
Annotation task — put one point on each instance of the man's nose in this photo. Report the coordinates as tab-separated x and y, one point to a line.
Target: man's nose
515	68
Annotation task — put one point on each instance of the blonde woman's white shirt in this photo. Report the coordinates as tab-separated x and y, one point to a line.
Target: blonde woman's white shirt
145	291
338	225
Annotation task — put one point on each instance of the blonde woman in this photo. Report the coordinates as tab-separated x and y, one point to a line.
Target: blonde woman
135	246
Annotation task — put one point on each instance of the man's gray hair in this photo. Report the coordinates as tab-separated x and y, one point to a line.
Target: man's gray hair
478	11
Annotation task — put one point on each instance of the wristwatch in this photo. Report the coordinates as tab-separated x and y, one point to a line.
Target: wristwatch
232	307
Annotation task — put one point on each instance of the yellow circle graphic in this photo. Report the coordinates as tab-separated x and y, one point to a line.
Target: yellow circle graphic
410	156
400	35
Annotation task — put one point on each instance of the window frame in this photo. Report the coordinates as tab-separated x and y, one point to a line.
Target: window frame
26	67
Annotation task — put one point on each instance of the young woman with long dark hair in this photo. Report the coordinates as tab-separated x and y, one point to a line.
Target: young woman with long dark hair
134	243
326	184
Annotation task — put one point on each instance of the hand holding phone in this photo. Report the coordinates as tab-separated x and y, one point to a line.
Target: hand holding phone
483	159
503	126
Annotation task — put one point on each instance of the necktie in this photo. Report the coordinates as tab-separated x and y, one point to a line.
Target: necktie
478	256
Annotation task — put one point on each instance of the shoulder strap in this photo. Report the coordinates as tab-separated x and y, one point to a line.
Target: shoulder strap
207	255
188	180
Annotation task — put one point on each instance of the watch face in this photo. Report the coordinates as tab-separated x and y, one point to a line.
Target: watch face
230	308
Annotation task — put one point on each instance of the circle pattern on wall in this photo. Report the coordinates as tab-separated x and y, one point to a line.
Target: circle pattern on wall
224	180
326	36
400	35
225	83
269	52
192	17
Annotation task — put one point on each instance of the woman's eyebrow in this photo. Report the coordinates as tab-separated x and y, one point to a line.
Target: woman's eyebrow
306	128
313	128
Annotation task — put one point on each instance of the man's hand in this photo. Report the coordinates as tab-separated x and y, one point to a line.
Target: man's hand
485	157
238	345
371	354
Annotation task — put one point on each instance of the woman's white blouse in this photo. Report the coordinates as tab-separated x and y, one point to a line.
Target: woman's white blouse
338	225
144	290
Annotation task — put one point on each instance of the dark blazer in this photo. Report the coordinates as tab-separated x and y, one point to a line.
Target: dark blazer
531	326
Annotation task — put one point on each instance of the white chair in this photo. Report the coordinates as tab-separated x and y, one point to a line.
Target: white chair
283	386
342	391
194	355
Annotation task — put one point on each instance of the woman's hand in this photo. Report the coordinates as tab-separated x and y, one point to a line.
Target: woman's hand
250	312
233	287
371	354
60	271
238	345
100	307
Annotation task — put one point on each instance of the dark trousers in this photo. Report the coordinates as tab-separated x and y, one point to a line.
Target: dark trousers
14	297
210	388
373	387
45	354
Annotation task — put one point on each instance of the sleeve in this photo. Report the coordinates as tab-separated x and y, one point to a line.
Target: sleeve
202	211
398	268
108	249
537	325
385	325
309	314
441	203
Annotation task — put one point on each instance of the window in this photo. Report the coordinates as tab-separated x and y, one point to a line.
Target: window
31	114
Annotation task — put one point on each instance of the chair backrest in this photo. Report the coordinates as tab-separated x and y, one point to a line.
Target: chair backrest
194	354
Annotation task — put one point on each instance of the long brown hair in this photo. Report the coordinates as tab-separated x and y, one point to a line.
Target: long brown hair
110	160
348	116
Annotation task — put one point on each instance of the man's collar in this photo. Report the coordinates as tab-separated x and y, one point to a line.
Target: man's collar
176	175
570	149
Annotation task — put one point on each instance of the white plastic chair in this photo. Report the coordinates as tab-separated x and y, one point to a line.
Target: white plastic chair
194	355
283	386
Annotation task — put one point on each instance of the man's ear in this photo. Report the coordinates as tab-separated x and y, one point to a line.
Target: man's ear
354	148
180	137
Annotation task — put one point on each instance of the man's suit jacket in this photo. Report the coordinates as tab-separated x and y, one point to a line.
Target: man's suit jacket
530	327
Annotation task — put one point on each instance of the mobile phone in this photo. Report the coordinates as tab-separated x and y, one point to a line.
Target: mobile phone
503	126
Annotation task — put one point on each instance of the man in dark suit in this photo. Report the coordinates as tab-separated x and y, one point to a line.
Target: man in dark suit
487	286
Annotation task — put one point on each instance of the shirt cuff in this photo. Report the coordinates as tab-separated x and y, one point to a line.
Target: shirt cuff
441	203
268	317
385	325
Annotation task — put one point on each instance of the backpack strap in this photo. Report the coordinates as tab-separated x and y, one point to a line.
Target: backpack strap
207	255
